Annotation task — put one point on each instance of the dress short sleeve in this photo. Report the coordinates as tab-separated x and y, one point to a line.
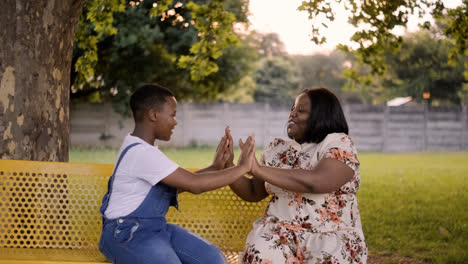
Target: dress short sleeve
340	146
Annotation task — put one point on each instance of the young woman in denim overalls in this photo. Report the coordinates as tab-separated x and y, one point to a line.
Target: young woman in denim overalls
141	234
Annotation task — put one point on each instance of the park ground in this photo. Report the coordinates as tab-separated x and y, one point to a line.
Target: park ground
413	205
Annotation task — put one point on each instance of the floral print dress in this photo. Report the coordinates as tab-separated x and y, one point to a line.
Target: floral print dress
305	227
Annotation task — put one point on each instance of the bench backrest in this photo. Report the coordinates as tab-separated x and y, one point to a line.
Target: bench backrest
55	205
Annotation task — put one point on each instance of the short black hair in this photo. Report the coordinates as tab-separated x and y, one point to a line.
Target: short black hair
148	97
326	115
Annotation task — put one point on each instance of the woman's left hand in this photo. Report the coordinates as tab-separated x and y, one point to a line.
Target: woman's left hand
255	166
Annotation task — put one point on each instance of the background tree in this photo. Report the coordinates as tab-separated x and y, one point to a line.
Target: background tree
422	66
327	70
456	21
257	85
362	84
36	49
150	48
276	77
277	80
374	21
243	90
270	44
35	62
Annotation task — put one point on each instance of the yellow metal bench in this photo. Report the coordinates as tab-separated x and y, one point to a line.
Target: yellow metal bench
49	213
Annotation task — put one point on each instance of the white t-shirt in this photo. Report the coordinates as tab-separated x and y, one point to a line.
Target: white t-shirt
142	167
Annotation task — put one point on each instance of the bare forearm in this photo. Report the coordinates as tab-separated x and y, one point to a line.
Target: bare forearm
251	190
289	179
212	167
327	176
211	180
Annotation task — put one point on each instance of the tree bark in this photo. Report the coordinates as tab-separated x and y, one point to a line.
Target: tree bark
36	44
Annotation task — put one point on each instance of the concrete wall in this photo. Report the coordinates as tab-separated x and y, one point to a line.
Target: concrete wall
373	128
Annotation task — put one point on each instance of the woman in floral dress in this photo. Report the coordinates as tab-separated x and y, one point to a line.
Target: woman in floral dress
313	215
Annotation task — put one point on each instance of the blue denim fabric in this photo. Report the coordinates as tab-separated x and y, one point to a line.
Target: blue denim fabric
144	236
138	240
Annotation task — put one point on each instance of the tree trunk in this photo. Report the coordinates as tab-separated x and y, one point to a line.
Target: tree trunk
36	43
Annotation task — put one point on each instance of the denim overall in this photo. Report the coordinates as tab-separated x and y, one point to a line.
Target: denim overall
144	236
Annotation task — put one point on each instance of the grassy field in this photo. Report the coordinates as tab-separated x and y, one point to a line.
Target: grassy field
413	206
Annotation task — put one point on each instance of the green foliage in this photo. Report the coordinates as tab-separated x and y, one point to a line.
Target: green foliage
327	70
239	9
422	66
360	81
270	44
243	92
457	30
374	20
463	93
245	56
277	79
160	7
214	25
96	22
150	49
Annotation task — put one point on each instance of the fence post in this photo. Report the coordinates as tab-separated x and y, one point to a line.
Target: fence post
426	120
383	147
346	111
186	131
227	115
266	115
464	118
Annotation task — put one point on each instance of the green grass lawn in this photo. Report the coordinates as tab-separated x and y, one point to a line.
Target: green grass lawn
413	206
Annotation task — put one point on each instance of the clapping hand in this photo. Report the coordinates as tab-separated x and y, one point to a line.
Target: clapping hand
224	152
230	148
247	156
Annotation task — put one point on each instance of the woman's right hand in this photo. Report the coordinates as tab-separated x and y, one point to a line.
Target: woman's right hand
255	166
246	158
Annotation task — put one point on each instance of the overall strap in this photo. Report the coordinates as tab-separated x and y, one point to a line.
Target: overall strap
105	200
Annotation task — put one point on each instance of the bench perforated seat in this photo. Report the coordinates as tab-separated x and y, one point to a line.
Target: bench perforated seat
49	212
